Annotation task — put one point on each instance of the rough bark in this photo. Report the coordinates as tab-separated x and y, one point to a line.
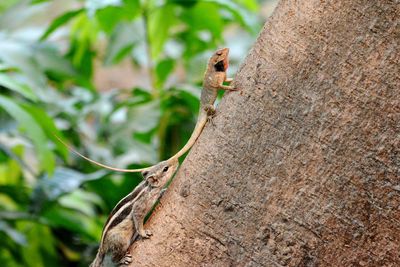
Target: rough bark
302	166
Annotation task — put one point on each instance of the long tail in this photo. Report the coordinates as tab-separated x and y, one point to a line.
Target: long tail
201	122
98	163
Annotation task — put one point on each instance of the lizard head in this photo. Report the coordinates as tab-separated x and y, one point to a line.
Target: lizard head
160	174
220	60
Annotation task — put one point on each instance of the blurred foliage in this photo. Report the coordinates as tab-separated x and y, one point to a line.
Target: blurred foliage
50	214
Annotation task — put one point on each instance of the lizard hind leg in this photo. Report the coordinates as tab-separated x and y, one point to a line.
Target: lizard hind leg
210	110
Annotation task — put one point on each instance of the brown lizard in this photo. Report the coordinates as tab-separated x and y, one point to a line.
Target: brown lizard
125	221
214	78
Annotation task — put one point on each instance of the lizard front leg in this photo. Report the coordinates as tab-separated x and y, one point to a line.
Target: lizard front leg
227	87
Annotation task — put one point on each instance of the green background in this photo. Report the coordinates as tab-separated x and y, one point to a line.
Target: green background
117	79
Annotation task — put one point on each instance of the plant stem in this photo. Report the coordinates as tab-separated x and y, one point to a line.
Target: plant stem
150	62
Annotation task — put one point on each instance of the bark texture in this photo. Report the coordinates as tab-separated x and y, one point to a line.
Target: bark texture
302	167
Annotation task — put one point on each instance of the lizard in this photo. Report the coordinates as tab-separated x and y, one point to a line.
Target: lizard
125	221
214	77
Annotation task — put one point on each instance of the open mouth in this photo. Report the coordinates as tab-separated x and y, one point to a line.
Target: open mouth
220	66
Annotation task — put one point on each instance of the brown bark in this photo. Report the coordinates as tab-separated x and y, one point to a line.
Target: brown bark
302	167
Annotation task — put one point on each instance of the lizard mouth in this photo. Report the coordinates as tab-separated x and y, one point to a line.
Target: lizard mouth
220	66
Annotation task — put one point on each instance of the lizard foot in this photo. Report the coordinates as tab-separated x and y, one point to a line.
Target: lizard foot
210	110
210	119
126	260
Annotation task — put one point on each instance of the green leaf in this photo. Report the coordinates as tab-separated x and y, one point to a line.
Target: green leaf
144	117
48	126
4	5
245	18
63	181
205	16
49	59
81	201
93	5
23	89
41	248
61	20
186	4
249	4
17	193
32	129
84	32
59	217
121	42
110	16
163	69
19	54
15	235
159	23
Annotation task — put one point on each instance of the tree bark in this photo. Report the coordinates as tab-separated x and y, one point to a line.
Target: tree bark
302	166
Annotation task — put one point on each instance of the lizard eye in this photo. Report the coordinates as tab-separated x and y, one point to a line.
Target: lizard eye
219	53
145	173
165	168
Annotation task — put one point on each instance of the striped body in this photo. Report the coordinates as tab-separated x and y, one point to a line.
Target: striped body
126	219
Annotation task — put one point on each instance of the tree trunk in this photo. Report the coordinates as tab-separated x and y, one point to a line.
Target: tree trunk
302	166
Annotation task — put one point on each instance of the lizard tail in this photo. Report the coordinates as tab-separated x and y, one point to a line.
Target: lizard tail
98	163
201	122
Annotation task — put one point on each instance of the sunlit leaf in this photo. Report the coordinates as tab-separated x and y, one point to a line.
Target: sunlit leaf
23	89
6	4
160	21
71	220
205	16
249	4
58	22
110	16
93	5
32	129
84	33
144	117
21	56
121	42
81	201
246	19
63	181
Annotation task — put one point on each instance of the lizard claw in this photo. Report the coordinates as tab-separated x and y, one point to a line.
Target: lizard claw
210	119
210	110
